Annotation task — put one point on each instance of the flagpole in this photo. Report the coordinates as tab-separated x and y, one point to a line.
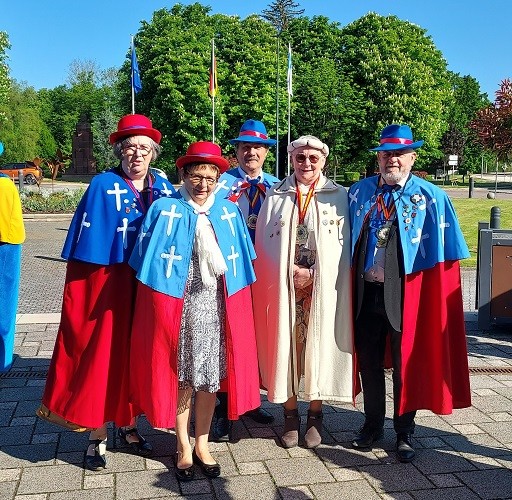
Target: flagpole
289	139
213	69
277	110
290	93
133	87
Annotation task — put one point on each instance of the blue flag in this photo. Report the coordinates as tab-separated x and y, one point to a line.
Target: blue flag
136	83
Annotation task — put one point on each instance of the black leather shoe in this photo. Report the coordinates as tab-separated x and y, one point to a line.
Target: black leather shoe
210	470
404	450
184	474
222	430
260	415
97	461
364	439
140	447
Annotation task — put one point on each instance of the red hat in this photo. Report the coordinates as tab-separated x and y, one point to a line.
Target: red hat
204	152
135	125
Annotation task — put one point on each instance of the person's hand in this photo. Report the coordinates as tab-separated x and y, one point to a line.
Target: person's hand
302	277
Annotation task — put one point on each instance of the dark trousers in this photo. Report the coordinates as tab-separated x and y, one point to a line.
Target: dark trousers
372	329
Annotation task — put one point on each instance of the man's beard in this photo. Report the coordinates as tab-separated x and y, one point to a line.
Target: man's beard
394	177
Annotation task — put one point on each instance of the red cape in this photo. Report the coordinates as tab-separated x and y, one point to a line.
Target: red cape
435	374
155	337
89	377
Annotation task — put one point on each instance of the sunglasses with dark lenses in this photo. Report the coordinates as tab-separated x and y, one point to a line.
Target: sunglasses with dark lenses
301	158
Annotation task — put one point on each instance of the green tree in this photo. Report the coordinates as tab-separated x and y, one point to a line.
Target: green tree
174	56
460	139
4	69
325	102
403	76
23	132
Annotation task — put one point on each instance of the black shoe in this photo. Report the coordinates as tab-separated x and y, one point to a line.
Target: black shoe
404	450
260	415
212	470
95	462
364	439
140	447
222	429
184	474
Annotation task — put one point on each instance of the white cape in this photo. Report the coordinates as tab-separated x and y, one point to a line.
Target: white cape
328	371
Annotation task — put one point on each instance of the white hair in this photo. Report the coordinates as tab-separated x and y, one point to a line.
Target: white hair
308	140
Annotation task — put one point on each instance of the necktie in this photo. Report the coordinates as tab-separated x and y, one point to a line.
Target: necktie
382	213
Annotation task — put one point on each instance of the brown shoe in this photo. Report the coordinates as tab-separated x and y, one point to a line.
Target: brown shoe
313	435
290	437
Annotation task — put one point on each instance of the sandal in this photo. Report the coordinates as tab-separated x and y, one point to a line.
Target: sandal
98	460
140	447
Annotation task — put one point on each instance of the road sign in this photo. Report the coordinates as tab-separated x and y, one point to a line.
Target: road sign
453	160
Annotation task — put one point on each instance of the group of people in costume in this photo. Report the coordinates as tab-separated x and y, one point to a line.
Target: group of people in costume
195	299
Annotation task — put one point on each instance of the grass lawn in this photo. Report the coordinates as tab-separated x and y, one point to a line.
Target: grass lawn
471	211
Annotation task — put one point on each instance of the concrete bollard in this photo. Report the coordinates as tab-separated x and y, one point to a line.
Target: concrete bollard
471	186
495	221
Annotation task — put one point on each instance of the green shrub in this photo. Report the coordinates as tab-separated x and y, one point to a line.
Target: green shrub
59	202
351	176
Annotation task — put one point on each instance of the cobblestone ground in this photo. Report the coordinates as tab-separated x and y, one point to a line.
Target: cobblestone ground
466	455
42	270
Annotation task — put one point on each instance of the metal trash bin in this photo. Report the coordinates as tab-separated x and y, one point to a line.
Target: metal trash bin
494	278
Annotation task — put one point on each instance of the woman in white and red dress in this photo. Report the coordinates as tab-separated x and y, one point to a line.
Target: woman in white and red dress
193	329
89	377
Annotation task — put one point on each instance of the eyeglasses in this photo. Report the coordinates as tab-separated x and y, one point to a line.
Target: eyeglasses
393	153
301	158
198	179
132	149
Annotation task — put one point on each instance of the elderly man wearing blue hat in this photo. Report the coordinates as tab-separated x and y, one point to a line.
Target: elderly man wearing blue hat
246	185
12	235
406	247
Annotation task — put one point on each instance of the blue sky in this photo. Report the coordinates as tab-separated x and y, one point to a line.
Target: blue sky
47	35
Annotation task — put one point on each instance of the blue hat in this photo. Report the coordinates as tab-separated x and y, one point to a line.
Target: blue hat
1	148
395	137
253	131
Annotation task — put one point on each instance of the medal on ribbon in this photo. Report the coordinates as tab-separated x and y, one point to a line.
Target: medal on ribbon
302	234
383	235
302	229
251	221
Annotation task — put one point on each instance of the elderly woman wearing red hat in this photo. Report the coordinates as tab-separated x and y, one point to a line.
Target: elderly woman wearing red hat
193	328
89	377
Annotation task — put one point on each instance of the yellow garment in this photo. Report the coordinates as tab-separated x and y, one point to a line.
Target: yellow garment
11	218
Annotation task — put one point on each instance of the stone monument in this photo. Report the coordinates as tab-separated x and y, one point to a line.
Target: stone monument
83	164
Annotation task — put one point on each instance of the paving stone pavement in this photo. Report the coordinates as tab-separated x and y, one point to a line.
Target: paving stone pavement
466	455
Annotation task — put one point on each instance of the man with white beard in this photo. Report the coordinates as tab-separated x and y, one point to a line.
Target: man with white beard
406	247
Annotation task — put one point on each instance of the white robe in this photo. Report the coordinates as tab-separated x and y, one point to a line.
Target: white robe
328	373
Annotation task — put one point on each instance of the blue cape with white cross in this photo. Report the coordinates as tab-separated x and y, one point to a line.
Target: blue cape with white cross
427	224
162	255
106	222
230	182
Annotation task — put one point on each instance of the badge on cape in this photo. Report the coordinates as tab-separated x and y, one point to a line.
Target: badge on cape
415	198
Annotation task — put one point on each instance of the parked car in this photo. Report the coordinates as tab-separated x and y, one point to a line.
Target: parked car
32	174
